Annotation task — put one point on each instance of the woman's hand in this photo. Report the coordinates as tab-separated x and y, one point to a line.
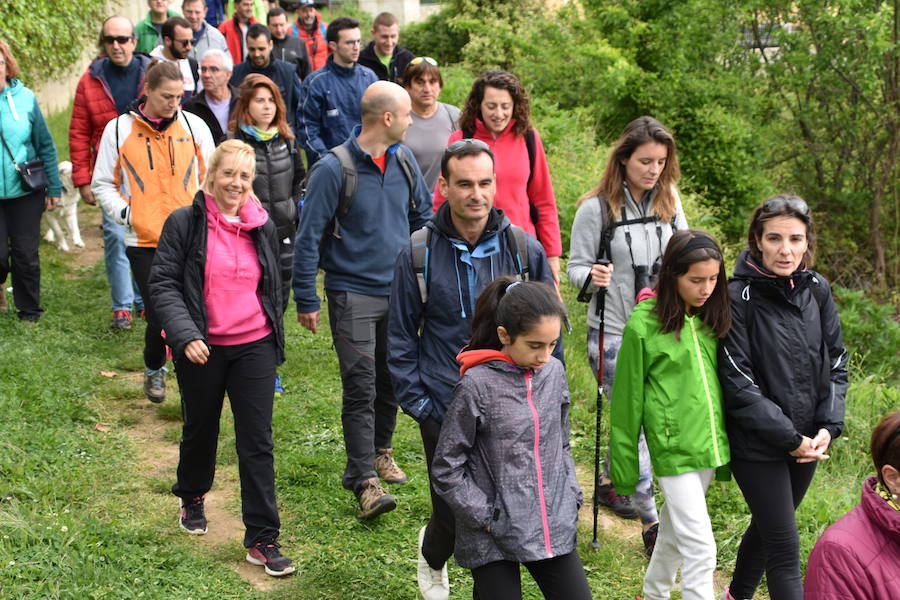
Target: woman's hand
810	450
822	440
601	275
197	352
50	202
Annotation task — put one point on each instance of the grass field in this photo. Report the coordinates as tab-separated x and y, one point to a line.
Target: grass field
86	464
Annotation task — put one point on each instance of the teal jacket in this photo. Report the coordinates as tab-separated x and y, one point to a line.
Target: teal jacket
146	35
670	387
25	132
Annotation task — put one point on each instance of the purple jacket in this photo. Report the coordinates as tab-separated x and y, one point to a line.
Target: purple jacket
858	557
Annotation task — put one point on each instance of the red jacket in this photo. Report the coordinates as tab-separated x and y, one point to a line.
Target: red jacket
316	44
93	108
858	558
234	37
514	193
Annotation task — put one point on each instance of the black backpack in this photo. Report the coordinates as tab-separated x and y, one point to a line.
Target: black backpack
420	243
348	183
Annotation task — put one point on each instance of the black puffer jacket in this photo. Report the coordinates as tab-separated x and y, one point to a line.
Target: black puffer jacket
177	276
279	173
783	365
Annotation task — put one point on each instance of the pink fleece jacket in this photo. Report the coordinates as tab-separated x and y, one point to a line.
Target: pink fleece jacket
513	190
233	272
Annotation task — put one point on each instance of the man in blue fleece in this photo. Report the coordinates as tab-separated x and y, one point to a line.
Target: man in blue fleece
329	99
358	259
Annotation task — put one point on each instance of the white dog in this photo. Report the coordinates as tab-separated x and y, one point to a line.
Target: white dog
65	216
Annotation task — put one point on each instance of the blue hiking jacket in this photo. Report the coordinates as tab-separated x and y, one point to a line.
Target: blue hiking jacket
25	132
329	106
376	227
423	367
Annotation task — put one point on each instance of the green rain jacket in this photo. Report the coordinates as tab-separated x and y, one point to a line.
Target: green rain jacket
670	387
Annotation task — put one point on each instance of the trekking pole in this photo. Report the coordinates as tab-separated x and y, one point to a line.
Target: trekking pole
600	311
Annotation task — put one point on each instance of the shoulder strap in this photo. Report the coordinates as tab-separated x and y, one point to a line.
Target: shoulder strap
530	145
348	185
195	71
450	118
467	134
517	240
403	160
420	245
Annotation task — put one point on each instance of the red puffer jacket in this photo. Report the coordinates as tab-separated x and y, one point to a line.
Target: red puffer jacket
858	558
93	108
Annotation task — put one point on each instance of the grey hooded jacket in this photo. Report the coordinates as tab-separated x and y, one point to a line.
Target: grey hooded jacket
645	245
503	464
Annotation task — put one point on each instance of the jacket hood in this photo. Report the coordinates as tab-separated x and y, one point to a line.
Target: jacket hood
482	131
13	86
338	69
158	125
96	66
251	213
443	223
748	268
471	358
882	515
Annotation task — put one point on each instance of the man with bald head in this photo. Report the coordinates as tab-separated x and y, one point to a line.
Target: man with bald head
110	84
357	250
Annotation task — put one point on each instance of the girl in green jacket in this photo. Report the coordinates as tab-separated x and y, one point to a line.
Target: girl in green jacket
667	384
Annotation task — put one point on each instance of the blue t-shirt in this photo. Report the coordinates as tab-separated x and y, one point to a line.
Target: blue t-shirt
123	82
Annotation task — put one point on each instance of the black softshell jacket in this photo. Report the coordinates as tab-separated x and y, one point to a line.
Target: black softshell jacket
177	275
783	365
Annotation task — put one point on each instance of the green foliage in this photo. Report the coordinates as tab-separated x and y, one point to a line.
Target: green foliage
435	37
46	37
872	334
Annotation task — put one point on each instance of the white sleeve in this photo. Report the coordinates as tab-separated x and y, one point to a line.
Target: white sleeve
105	183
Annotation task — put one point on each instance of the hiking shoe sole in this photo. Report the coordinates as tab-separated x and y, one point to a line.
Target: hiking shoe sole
259	563
195	531
386	503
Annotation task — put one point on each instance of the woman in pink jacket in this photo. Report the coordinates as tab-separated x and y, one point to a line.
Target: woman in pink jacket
497	113
858	557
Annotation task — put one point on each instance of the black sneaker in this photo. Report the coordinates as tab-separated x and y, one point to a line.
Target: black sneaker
193	518
650	539
621	505
266	554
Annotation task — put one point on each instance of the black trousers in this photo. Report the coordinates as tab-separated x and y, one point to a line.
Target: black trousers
773	491
154	345
440	533
246	373
20	240
560	578
369	413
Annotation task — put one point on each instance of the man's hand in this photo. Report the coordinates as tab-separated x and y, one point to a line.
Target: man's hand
50	202
309	320
87	195
197	352
553	263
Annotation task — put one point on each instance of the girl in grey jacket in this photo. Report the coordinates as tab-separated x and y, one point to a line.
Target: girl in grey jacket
502	461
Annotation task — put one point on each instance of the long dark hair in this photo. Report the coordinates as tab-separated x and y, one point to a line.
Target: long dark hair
516	307
637	133
677	260
501	80
782	205
241	113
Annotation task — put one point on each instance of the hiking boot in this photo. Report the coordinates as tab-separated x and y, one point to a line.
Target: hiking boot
650	539
434	584
386	468
621	505
155	384
373	500
193	517
279	389
266	554
121	320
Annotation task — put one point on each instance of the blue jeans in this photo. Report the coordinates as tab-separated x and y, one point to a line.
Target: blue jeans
122	287
643	496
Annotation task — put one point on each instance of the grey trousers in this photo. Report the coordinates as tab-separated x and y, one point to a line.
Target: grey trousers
369	413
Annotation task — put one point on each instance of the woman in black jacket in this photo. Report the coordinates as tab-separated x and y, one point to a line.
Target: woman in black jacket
216	284
783	369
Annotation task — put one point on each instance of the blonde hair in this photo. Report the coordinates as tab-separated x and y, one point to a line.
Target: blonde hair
637	133
243	153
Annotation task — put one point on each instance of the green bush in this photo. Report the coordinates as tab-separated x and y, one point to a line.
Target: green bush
47	36
871	334
435	37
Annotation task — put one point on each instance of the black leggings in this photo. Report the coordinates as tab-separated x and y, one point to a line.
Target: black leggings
560	578
773	491
154	344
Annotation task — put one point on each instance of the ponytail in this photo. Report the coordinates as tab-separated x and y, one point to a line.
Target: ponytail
514	305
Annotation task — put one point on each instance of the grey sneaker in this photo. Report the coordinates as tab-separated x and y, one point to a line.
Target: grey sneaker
386	468
155	384
434	584
373	500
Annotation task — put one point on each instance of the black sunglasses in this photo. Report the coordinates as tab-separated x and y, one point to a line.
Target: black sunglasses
121	39
460	144
781	201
